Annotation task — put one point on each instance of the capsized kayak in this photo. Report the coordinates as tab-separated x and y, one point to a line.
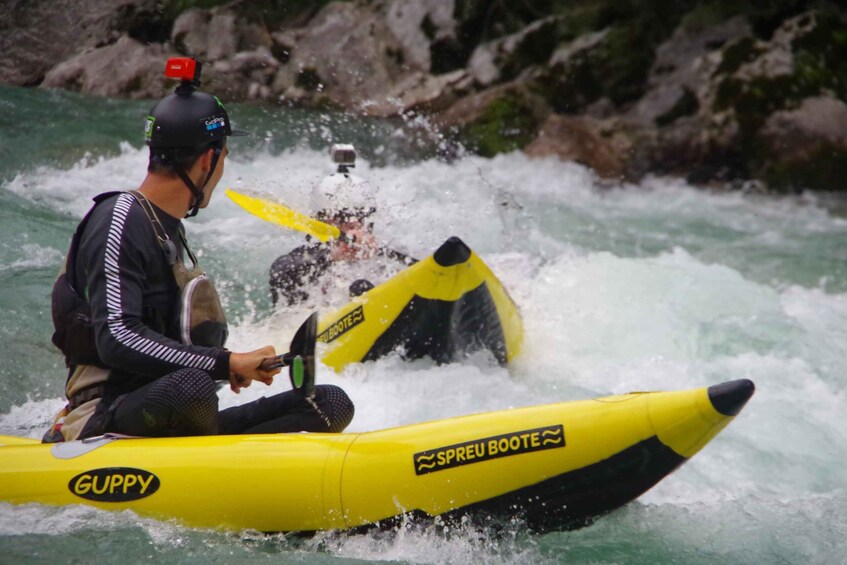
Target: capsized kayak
558	466
445	307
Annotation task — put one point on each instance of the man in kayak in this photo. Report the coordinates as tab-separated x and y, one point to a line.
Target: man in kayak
143	334
344	201
293	274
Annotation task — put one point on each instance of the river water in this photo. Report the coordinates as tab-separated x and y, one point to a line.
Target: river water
658	286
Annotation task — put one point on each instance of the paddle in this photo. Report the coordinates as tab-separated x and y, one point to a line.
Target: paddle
300	360
265	207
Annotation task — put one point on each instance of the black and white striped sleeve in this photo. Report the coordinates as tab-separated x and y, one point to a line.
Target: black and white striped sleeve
118	256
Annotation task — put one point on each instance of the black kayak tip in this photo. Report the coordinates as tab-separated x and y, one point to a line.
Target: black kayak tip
730	397
452	252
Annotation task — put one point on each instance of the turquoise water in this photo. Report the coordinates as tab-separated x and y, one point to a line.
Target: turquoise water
650	287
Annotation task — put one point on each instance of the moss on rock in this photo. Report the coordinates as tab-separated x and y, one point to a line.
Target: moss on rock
820	55
819	67
622	63
506	124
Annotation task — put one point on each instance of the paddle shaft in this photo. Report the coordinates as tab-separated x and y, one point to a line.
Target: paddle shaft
271	363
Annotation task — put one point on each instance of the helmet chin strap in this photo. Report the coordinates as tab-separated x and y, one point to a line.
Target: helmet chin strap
195	191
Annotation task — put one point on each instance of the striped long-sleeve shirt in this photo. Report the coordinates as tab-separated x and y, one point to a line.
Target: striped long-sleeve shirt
134	298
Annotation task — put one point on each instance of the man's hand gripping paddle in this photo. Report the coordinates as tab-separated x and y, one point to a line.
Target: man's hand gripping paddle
301	359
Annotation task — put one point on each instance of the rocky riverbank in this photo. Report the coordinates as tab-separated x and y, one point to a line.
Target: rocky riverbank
724	93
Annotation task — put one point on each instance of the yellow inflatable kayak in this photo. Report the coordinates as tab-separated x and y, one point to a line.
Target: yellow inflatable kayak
444	307
557	466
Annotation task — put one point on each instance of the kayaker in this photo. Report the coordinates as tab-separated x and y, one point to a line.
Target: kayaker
346	202
142	333
294	274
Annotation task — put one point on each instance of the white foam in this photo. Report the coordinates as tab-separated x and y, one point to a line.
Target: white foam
33	256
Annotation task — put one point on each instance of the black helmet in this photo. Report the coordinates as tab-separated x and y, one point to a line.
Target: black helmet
188	118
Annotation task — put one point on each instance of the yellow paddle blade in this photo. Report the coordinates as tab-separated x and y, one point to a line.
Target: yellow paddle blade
265	207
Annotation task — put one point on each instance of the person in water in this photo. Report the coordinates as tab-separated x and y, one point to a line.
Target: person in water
344	201
142	333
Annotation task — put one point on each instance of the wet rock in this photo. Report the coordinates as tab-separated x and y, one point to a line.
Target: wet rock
36	35
212	35
252	36
190	35
222	36
503	58
422	93
347	57
125	68
807	147
208	35
568	79
283	43
598	144
246	76
820	119
417	24
259	59
764	82
679	79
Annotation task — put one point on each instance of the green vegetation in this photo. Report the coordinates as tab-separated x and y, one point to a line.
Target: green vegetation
819	66
617	68
622	62
820	55
508	123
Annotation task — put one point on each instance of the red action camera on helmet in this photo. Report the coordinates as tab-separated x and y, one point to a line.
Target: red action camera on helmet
183	68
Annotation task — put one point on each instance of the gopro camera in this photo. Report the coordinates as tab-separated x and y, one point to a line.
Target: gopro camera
183	68
343	155
186	70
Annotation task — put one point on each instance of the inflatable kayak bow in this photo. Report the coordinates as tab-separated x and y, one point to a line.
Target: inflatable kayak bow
444	307
557	466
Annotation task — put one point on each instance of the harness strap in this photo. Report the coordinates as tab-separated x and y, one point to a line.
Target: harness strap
84	395
151	215
161	234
